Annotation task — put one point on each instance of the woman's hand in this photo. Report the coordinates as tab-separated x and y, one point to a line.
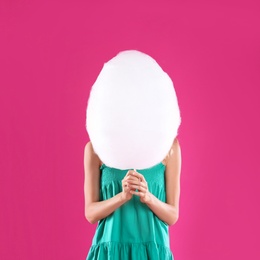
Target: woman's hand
126	194
137	181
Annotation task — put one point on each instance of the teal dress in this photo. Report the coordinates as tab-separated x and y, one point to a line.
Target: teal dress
132	231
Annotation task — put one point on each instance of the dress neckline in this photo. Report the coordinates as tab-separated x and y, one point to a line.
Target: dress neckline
160	164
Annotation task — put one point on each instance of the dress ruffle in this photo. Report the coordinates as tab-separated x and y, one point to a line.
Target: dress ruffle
129	251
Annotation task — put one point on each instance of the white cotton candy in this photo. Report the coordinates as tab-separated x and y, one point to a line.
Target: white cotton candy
132	113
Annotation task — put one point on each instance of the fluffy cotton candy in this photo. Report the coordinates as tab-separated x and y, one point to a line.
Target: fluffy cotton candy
132	113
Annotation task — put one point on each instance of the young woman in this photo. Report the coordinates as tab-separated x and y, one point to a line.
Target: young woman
133	208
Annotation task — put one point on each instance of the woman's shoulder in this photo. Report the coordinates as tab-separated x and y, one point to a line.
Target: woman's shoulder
174	145
90	151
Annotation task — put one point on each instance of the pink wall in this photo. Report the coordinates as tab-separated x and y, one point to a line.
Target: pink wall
51	53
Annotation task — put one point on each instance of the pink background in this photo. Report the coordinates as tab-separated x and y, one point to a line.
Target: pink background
51	53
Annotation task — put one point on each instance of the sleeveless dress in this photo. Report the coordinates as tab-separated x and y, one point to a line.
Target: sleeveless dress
132	231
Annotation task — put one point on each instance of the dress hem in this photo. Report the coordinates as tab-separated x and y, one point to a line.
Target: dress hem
130	250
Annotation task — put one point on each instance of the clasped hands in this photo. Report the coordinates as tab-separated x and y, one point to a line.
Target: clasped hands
135	181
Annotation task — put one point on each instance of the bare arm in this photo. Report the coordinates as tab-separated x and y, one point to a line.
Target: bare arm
95	209
169	211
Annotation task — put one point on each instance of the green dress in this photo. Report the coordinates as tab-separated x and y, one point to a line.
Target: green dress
132	231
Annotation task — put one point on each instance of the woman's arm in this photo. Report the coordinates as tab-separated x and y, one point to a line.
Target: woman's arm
95	209
169	211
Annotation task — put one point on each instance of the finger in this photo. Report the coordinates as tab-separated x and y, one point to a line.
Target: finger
138	175
127	177
126	188
140	183
129	173
137	187
133	178
125	183
138	193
